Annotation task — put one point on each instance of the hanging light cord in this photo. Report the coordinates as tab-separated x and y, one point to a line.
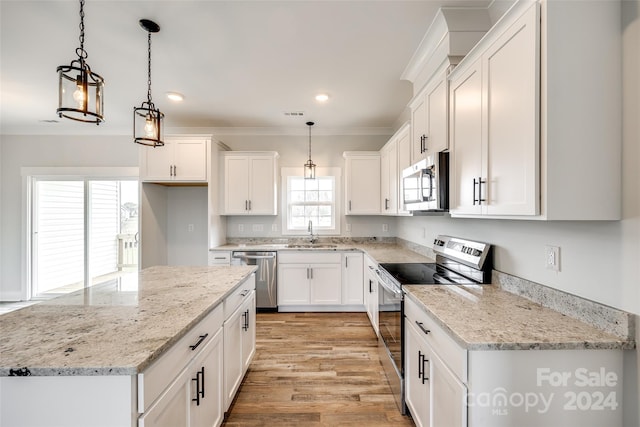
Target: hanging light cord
82	54
149	73
309	143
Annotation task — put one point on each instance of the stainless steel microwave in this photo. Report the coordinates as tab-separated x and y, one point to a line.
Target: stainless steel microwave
425	185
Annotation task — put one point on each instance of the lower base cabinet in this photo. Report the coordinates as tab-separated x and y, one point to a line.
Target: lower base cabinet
448	385
239	342
195	397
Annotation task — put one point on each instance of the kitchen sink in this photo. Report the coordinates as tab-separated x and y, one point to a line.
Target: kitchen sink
311	246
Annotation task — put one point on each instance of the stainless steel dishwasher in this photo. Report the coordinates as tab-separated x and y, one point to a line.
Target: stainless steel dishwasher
266	283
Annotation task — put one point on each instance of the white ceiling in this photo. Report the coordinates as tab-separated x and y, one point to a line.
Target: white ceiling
239	64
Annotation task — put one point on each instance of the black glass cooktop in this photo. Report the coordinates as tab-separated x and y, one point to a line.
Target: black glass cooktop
423	274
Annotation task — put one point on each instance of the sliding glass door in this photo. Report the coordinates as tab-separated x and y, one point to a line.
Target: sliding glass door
84	232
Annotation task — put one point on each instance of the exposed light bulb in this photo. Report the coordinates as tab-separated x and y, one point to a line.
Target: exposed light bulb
78	95
150	127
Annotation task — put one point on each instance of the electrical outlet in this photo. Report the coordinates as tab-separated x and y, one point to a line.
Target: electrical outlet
348	227
241	228
552	257
257	227
385	228
274	227
190	228
424	233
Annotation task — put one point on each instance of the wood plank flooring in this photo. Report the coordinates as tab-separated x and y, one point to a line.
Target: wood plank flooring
315	369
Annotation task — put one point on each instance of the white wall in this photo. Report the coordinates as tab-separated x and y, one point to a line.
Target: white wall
69	151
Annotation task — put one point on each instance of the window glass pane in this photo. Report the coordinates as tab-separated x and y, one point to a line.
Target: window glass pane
325	196
296	184
297	210
311	184
324	221
297	196
312	196
326	184
324	210
310	211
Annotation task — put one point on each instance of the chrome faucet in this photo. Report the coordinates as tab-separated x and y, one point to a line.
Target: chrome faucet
312	238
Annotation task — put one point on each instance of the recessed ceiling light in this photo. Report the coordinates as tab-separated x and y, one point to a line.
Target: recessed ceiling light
322	97
175	96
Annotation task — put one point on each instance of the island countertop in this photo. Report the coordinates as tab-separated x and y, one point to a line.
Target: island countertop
485	317
116	328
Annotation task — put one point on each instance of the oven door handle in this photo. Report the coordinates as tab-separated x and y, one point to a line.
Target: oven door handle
396	292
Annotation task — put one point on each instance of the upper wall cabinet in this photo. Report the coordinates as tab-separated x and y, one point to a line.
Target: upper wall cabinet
429	117
494	124
249	185
183	158
362	182
534	108
452	34
394	157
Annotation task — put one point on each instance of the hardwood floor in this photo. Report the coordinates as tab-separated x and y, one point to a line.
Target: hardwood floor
315	369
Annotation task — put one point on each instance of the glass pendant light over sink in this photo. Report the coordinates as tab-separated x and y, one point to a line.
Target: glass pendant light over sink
80	91
148	121
310	167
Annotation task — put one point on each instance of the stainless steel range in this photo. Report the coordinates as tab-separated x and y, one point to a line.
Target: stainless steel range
458	261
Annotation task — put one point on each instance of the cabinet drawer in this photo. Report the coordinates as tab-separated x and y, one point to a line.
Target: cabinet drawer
219	257
233	301
447	349
155	379
298	257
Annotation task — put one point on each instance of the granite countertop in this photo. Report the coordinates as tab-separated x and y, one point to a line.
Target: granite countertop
116	328
485	317
382	252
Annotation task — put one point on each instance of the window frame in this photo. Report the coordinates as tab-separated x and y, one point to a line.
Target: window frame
286	173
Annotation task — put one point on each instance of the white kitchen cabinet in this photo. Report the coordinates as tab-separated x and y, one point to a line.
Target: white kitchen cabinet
466	136
434	390
394	157
417	375
248	331
219	258
494	125
249	183
352	290
389	178
429	133
370	289
538	89
239	337
181	159
309	279
362	182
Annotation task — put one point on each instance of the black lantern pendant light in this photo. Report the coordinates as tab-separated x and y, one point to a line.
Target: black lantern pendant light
310	167
148	121
80	91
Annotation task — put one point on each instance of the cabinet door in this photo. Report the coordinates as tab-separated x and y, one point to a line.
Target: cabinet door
293	284
404	161
157	162
448	396
326	284
466	140
389	179
417	376
363	185
436	102
236	185
262	186
172	407
232	356
418	128
190	160
248	330
511	79
352	279
207	385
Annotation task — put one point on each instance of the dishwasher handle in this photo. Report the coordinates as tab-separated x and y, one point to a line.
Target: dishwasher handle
254	256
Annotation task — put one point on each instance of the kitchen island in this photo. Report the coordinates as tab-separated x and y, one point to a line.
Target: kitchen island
92	357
